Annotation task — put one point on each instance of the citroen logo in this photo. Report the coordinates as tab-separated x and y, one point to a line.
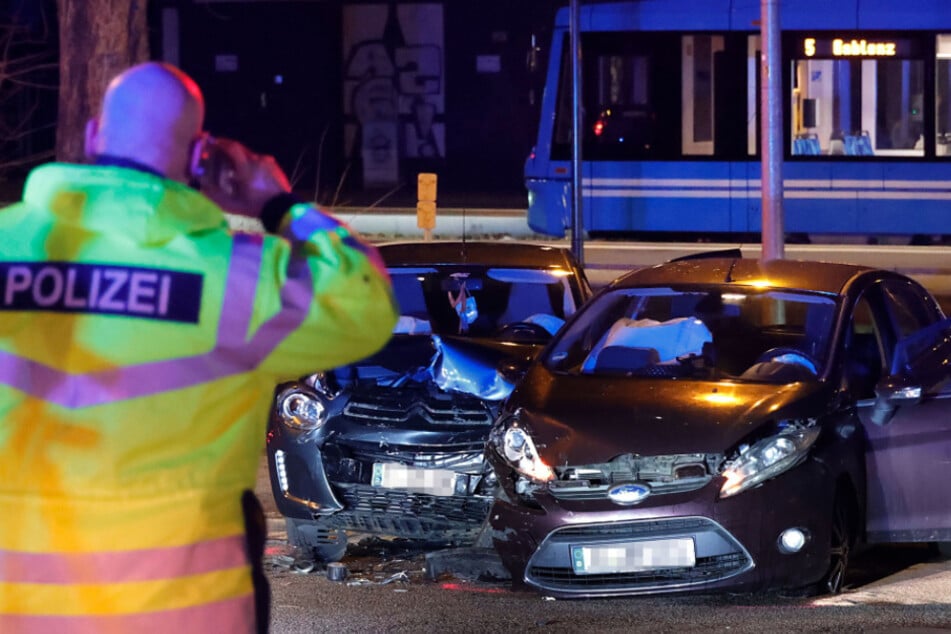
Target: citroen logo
628	493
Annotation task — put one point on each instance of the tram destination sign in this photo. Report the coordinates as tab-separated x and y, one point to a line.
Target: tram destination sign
856	47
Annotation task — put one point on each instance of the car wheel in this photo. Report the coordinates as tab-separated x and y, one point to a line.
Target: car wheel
323	543
842	539
944	549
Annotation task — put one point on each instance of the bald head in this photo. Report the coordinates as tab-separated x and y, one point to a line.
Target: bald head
151	114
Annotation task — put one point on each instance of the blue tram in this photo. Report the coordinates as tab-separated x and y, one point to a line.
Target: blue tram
670	102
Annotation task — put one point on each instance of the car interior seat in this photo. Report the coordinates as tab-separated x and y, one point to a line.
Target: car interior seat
625	359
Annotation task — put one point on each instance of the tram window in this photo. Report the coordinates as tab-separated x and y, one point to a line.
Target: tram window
561	143
752	93
857	105
630	98
943	96
899	106
697	94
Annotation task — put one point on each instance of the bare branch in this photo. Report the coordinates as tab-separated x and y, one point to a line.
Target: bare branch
28	69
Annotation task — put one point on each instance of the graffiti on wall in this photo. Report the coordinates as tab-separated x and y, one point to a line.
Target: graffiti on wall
394	86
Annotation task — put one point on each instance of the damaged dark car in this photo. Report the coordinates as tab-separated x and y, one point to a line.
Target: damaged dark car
394	445
724	423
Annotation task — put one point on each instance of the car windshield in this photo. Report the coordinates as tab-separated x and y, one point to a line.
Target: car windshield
748	334
479	301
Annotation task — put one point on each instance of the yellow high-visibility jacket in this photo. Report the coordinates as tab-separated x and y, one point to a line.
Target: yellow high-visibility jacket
140	343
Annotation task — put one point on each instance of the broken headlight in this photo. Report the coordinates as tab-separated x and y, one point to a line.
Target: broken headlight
514	443
769	457
323	383
301	410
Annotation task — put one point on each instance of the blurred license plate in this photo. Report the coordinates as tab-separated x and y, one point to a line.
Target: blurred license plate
391	475
633	556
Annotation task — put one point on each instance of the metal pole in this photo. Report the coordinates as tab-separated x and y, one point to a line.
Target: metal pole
771	133
577	219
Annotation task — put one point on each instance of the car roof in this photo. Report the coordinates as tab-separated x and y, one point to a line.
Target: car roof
825	277
501	254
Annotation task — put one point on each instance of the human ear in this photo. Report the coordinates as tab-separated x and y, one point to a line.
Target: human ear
92	134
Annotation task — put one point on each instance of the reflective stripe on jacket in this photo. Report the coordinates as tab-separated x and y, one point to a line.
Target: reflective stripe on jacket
140	342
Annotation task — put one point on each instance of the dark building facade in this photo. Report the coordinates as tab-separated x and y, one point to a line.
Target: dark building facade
28	88
356	98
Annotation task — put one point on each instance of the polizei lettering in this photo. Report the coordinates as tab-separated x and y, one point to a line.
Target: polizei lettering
100	288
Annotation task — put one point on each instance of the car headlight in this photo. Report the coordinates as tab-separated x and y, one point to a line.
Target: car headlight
301	410
516	446
766	459
322	384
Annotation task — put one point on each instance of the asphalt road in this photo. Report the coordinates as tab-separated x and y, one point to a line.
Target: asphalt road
313	604
891	589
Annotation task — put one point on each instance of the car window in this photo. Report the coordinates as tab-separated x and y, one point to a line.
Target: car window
910	307
924	355
721	331
865	360
479	301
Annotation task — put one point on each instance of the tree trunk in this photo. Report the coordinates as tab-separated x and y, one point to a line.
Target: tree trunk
98	39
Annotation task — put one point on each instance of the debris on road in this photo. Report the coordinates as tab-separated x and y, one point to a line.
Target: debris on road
377	561
473	563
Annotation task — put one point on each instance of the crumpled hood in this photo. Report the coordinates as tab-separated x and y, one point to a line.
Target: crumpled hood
455	364
650	417
475	368
402	355
424	391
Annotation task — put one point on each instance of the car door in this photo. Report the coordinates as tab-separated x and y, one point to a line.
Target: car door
908	422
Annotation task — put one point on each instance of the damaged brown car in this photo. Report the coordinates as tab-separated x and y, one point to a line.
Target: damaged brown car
727	423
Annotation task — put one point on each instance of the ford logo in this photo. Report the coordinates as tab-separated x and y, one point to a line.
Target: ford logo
627	494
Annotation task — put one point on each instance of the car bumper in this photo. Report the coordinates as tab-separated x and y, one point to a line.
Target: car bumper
303	491
735	540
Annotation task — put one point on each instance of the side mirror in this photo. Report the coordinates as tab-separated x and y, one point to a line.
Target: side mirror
892	392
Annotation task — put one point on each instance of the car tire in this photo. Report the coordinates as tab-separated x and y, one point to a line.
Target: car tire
842	539
842	536
944	549
323	543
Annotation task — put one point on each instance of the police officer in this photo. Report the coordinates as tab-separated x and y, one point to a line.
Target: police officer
140	342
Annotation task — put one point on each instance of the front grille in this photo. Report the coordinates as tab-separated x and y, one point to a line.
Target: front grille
707	569
412	515
632	530
601	492
469	459
718	556
666	474
399	405
347	462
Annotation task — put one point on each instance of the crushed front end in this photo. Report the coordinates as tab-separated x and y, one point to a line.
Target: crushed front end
369	450
637	524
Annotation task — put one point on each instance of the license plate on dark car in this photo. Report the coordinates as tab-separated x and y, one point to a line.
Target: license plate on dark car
633	556
440	482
